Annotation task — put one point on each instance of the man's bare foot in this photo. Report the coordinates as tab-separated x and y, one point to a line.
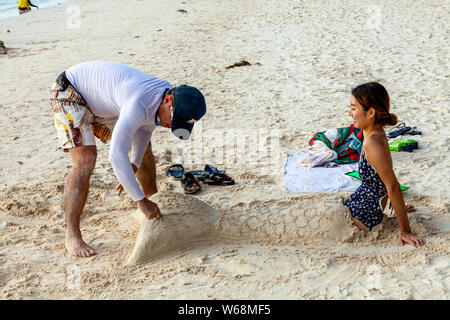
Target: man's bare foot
78	248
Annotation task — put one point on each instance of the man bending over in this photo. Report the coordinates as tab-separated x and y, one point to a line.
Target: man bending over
115	102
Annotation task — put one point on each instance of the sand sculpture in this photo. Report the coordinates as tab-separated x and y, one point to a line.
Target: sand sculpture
187	221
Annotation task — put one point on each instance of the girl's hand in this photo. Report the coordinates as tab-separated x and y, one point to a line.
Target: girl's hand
412	239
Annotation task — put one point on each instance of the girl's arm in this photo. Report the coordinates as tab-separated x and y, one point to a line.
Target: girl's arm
379	157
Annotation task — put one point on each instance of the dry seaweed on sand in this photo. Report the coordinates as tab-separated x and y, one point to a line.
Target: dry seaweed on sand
241	63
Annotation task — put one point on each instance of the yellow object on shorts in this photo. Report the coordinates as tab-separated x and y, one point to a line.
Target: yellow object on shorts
102	132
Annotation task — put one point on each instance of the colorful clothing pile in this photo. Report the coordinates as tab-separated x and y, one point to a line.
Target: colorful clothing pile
347	142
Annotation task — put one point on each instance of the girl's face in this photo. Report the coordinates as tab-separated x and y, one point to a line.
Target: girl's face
360	117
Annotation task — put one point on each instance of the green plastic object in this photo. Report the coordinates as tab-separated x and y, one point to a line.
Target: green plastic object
404	145
355	174
395	145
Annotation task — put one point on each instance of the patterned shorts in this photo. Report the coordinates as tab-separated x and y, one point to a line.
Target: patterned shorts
75	124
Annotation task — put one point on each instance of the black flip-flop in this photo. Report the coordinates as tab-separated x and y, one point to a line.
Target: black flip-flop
188	181
218	179
414	132
398	130
175	171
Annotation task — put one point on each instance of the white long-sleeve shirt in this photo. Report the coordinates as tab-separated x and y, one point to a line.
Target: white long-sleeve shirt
126	100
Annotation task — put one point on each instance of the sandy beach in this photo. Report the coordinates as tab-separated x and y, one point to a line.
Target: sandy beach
305	57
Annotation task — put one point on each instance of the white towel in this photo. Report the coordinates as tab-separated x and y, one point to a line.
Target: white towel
319	179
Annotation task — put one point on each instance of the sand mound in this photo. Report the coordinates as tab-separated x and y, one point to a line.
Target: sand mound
184	220
187	220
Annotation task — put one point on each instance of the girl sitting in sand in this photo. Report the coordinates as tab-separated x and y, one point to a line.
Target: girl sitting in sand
369	108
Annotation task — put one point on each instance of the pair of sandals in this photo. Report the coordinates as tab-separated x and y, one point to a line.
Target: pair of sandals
403	129
407	145
191	179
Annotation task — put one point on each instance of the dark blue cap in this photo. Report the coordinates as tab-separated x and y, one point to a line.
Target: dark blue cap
189	106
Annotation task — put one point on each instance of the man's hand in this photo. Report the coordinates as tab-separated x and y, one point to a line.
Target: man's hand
149	208
412	239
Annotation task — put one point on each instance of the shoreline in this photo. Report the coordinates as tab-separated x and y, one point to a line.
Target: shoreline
13	13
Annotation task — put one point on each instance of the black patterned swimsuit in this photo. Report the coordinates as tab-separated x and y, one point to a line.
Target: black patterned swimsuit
365	202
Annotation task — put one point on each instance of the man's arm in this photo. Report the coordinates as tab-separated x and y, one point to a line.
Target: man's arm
141	140
129	121
146	174
143	162
119	186
118	155
130	133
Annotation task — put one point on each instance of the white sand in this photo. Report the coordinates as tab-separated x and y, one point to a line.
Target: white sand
310	56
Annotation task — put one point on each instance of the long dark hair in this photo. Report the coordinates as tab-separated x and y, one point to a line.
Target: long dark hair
374	95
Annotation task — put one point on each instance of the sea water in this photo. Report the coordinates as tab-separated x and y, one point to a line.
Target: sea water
8	8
